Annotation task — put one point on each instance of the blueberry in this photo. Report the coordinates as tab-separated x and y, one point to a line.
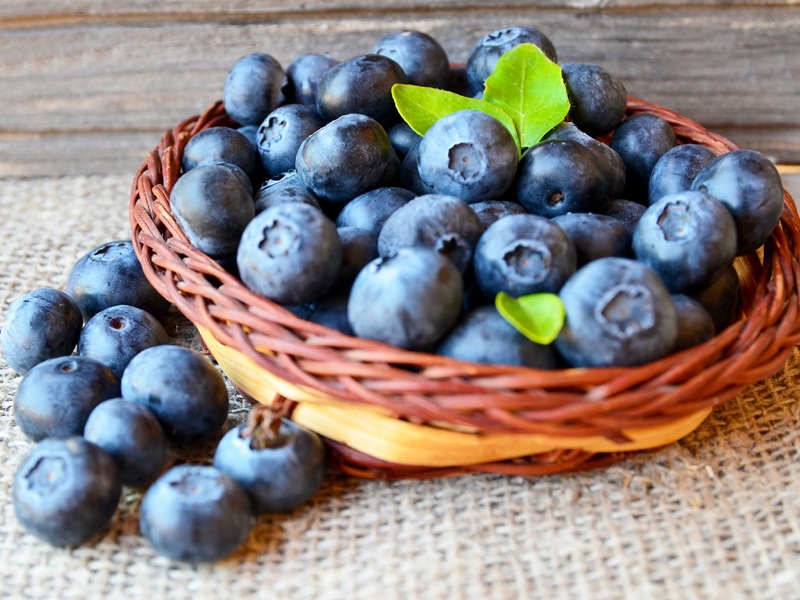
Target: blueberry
676	170
523	254
303	75
608	160
695	325
111	274
345	158
486	51
641	140
42	324
442	223
132	436
559	176
285	190
490	211
421	57
213	208
468	154
253	88
409	173
457	81
117	334
598	99
332	313
626	212
66	491
282	132
185	392
195	514
56	396
595	236
403	138
689	238
280	465
221	144
749	186
363	85
371	209
484	336
249	131
359	247
290	253
721	298
618	313
409	300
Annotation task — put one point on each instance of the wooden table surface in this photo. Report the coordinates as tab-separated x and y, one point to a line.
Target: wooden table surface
88	86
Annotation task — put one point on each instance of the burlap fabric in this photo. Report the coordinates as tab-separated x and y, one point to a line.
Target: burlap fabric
716	515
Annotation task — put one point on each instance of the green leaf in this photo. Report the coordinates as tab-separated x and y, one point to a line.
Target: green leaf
422	106
539	317
529	87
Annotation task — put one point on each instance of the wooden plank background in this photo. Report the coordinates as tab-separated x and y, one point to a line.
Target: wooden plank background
89	86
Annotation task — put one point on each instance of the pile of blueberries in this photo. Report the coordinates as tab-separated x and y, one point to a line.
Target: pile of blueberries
324	200
111	402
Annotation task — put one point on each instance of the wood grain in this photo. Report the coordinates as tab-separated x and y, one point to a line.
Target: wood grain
88	87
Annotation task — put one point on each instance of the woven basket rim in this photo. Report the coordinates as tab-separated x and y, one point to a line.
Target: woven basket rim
423	387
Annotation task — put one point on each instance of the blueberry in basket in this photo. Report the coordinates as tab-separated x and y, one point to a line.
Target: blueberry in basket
370	210
281	133
66	491
303	75
253	88
44	323
420	56
676	170
224	144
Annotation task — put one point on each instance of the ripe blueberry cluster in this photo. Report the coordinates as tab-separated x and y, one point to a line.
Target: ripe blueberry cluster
362	224
324	200
109	399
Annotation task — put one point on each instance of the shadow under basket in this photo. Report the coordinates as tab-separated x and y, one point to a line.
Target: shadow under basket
391	413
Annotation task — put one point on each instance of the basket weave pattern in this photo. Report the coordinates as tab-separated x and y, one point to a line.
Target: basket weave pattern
485	399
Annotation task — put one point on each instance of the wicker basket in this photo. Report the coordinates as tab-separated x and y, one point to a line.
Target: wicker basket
392	413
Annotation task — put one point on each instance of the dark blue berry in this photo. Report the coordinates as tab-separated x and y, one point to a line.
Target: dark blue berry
371	209
688	238
595	236
676	170
421	57
409	300
597	98
132	436
253	88
221	144
185	392
56	396
468	154
280	466
344	159
195	514
117	334
403	138
283	190
626	212
695	325
111	274
290	253
303	75
442	223
484	336
523	254
359	247
281	134
213	208
66	491
559	176
486	51
721	298
42	324
363	85
490	211
618	313
750	187
332	313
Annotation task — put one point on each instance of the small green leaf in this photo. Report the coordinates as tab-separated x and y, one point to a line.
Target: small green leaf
529	87
422	106
539	317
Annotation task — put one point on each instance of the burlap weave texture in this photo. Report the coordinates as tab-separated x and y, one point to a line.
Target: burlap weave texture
716	515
